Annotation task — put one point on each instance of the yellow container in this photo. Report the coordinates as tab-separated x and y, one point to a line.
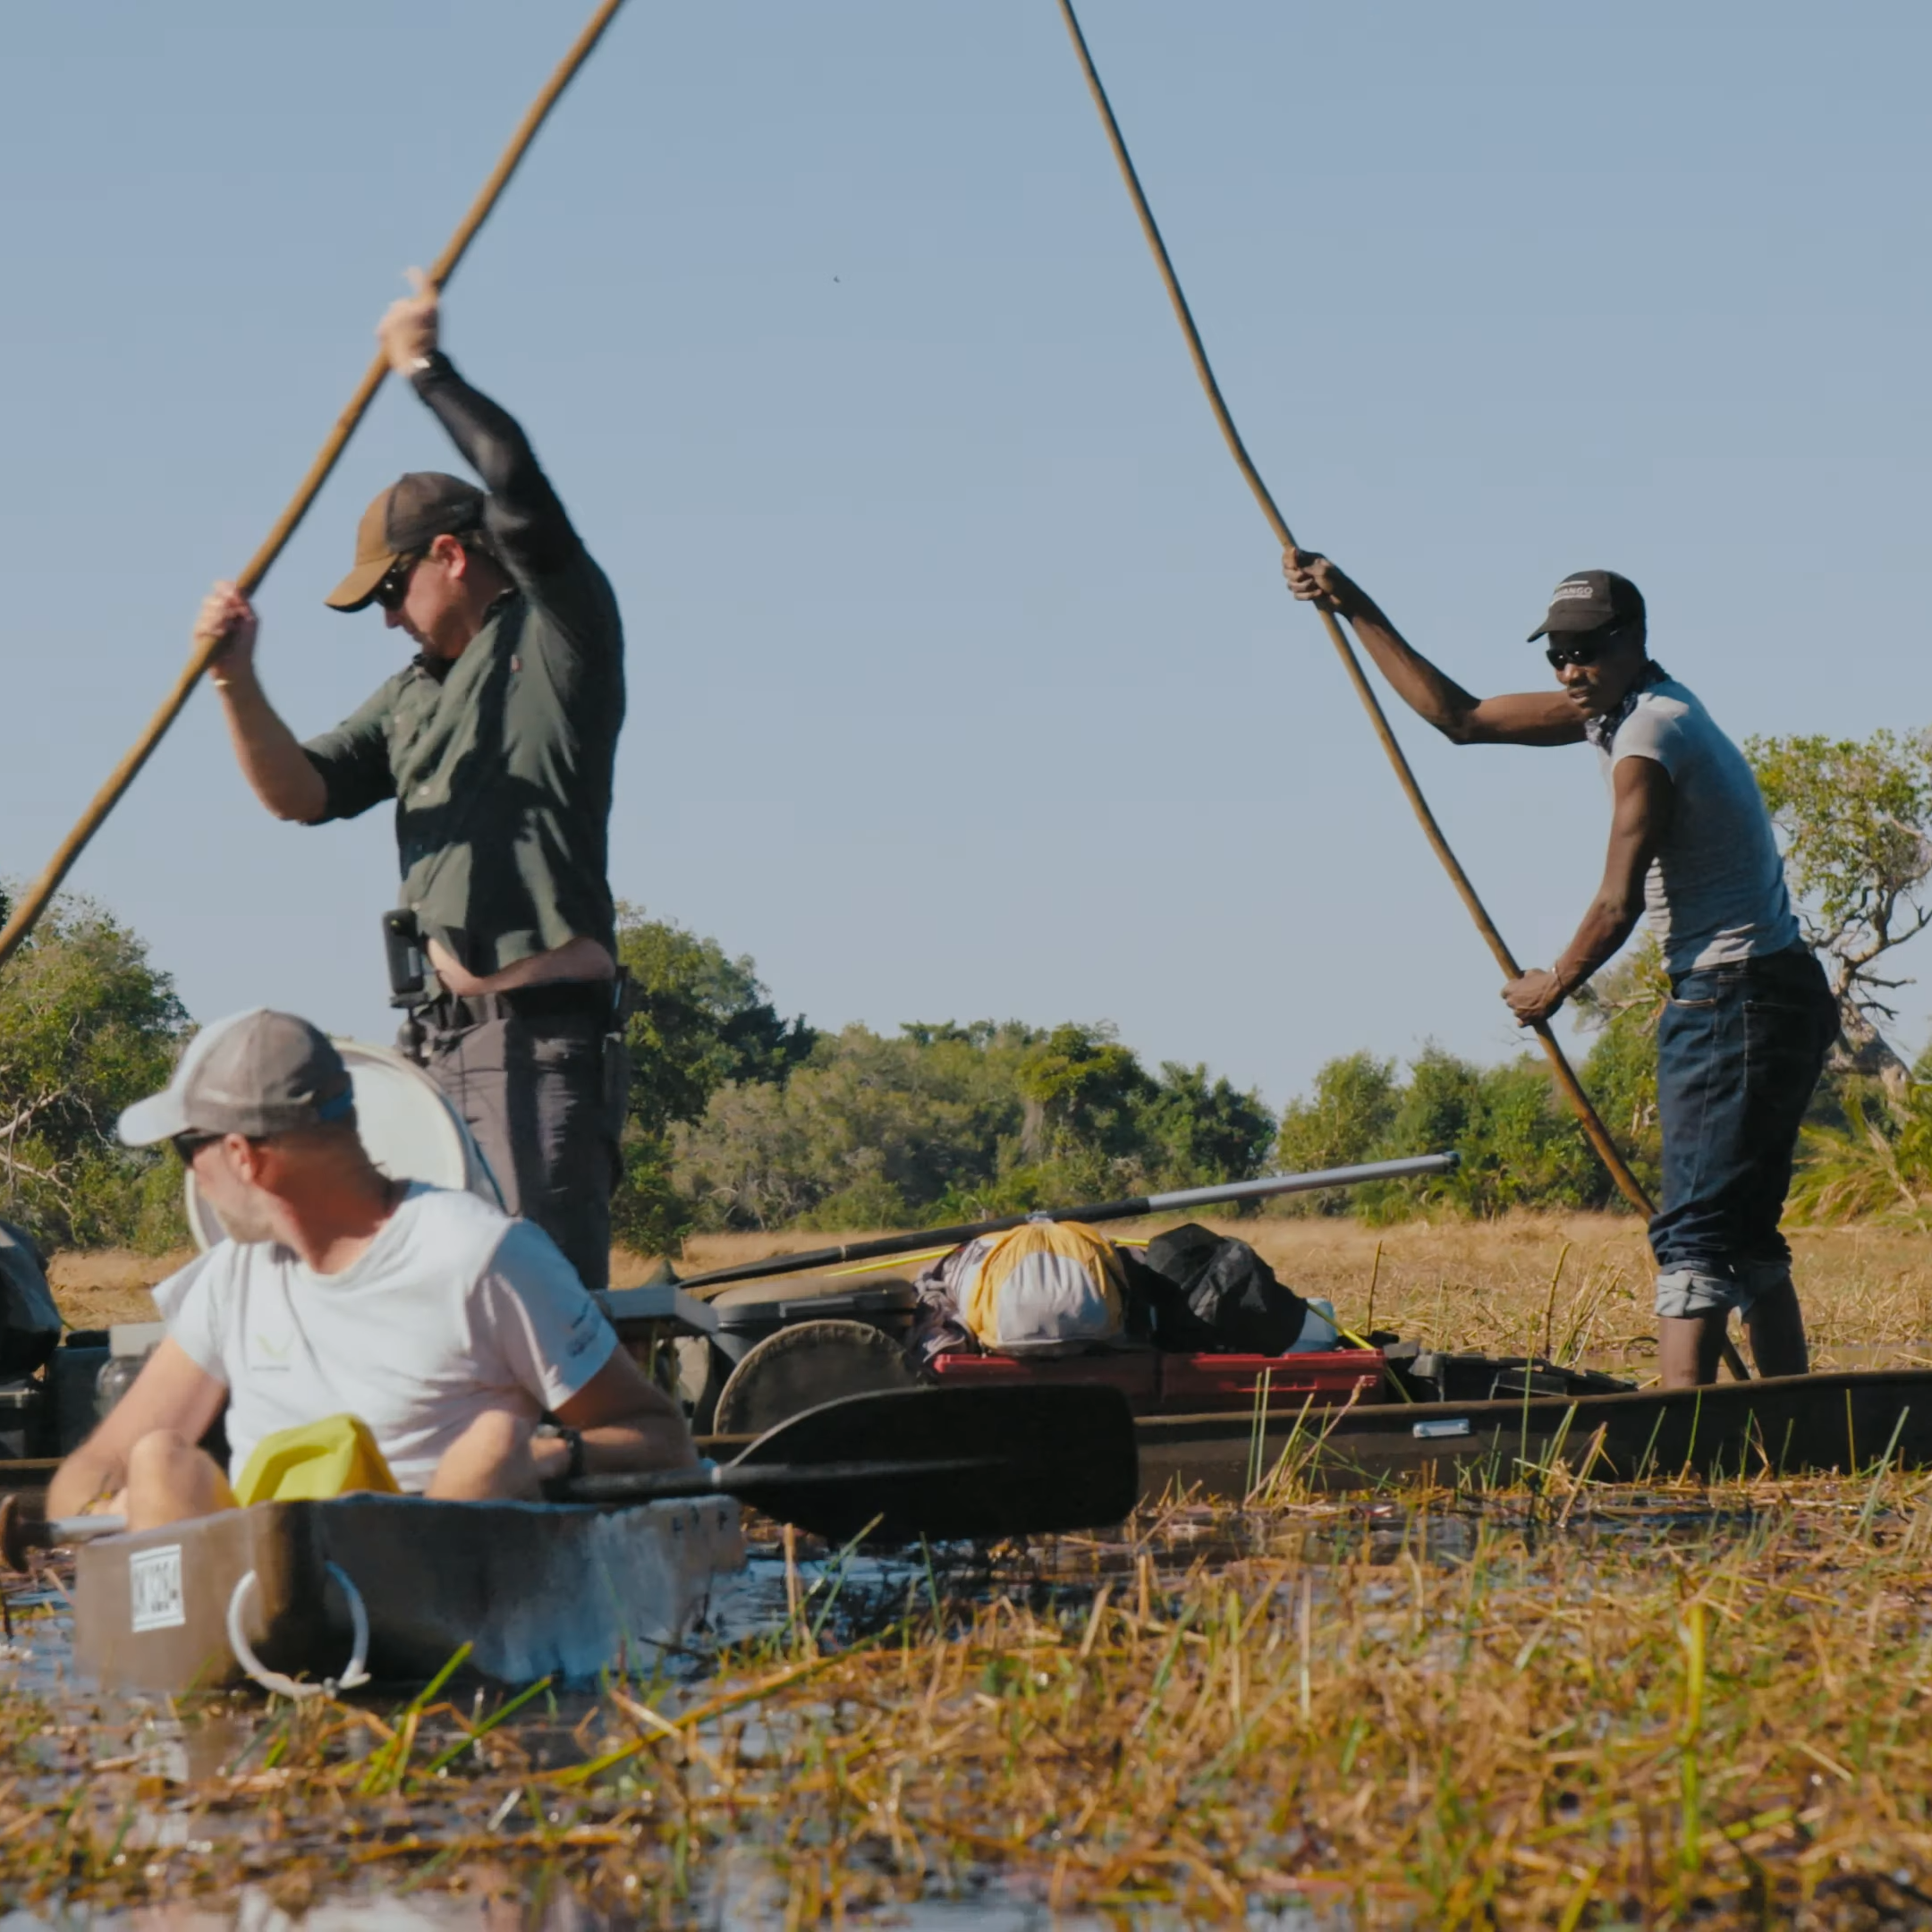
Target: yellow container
314	1462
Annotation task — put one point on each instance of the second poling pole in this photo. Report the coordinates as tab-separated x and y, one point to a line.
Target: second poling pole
1607	1151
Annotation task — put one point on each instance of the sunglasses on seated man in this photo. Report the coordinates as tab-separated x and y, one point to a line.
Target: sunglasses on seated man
1584	646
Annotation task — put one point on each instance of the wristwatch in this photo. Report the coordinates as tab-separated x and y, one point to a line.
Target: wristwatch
575	1467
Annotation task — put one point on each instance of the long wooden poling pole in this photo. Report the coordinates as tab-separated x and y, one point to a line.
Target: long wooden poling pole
34	902
1566	1078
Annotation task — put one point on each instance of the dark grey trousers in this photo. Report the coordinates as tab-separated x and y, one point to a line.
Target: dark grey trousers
545	1097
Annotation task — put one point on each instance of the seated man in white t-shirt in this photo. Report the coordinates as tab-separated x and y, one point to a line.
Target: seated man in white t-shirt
447	1328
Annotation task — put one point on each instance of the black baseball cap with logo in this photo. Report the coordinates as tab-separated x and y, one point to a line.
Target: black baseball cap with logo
1587	600
403	521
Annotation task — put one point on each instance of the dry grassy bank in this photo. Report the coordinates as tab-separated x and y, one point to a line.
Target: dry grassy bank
1464	1284
1485	1283
1490	1285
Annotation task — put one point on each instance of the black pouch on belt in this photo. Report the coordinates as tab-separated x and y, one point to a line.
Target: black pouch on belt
409	965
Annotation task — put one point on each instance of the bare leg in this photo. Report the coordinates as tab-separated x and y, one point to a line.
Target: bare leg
1776	1325
1688	1346
170	1479
491	1459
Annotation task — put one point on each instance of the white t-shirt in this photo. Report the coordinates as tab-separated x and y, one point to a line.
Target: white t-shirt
454	1308
1715	891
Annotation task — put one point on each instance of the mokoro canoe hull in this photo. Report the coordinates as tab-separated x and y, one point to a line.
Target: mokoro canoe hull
536	1590
1792	1425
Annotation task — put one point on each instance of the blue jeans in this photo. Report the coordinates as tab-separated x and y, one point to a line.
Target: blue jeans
1739	1049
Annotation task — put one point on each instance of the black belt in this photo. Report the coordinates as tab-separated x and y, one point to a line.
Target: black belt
1794	959
555	999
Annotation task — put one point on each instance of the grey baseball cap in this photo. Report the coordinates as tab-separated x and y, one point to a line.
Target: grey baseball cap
254	1073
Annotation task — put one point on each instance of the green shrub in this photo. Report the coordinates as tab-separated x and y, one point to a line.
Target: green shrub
87	1026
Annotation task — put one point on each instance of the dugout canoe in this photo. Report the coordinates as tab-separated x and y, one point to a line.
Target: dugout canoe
388	1589
1340	1420
1792	1425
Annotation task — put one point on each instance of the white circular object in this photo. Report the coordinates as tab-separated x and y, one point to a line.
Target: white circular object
407	1123
274	1681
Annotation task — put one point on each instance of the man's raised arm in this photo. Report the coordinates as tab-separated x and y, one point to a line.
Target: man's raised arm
528	528
1525	717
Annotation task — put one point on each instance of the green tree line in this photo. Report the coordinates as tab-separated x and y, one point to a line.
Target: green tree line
741	1118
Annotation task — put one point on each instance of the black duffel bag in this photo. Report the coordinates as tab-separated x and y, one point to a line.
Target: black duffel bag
1205	1294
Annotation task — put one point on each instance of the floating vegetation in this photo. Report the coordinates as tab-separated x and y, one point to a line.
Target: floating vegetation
1574	1708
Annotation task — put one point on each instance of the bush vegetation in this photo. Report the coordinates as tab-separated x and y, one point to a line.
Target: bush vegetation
743	1118
87	1025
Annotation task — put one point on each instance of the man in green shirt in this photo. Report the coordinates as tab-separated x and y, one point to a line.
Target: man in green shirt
497	744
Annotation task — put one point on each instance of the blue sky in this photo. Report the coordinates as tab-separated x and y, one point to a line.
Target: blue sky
961	680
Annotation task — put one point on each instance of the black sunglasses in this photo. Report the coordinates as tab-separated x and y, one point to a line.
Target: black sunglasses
394	585
188	1145
1584	646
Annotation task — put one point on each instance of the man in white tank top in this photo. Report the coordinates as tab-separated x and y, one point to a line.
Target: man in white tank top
1743	1037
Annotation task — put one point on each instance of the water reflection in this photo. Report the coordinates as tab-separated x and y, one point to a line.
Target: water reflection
746	1895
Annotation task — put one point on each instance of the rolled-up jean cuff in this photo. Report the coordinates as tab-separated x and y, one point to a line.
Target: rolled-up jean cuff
1684	1293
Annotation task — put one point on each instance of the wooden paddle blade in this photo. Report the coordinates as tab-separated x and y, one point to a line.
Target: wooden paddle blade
962	1462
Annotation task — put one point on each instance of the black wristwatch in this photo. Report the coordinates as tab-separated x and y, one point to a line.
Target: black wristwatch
575	1468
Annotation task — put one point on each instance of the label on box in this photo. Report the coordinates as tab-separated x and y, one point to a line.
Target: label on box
154	1589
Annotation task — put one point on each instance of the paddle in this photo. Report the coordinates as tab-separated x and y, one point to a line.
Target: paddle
940	1463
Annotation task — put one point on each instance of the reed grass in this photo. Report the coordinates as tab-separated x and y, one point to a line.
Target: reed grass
1580	1707
1561	1705
1454	1283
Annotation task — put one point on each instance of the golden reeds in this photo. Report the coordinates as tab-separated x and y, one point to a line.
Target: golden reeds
1685	1703
1561	1706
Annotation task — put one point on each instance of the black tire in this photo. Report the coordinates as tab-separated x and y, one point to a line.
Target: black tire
804	1365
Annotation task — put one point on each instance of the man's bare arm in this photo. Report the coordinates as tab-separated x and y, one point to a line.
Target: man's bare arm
172	1392
1525	717
1640	821
278	770
626	1420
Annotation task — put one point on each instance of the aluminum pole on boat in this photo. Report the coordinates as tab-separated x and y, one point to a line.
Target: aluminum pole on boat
22	1529
919	1239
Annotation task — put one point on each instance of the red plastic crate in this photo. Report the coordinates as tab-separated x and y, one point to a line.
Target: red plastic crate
1203	1385
1135	1372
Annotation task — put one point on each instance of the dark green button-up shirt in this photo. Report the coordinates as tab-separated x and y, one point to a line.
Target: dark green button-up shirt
500	764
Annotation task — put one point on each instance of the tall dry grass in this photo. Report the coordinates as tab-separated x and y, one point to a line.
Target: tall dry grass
1495	1285
1575	1285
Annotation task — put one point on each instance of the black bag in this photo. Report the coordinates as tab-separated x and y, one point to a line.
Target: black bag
1209	1294
30	1323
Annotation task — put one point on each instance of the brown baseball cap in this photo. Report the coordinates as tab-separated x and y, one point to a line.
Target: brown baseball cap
403	521
1587	600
